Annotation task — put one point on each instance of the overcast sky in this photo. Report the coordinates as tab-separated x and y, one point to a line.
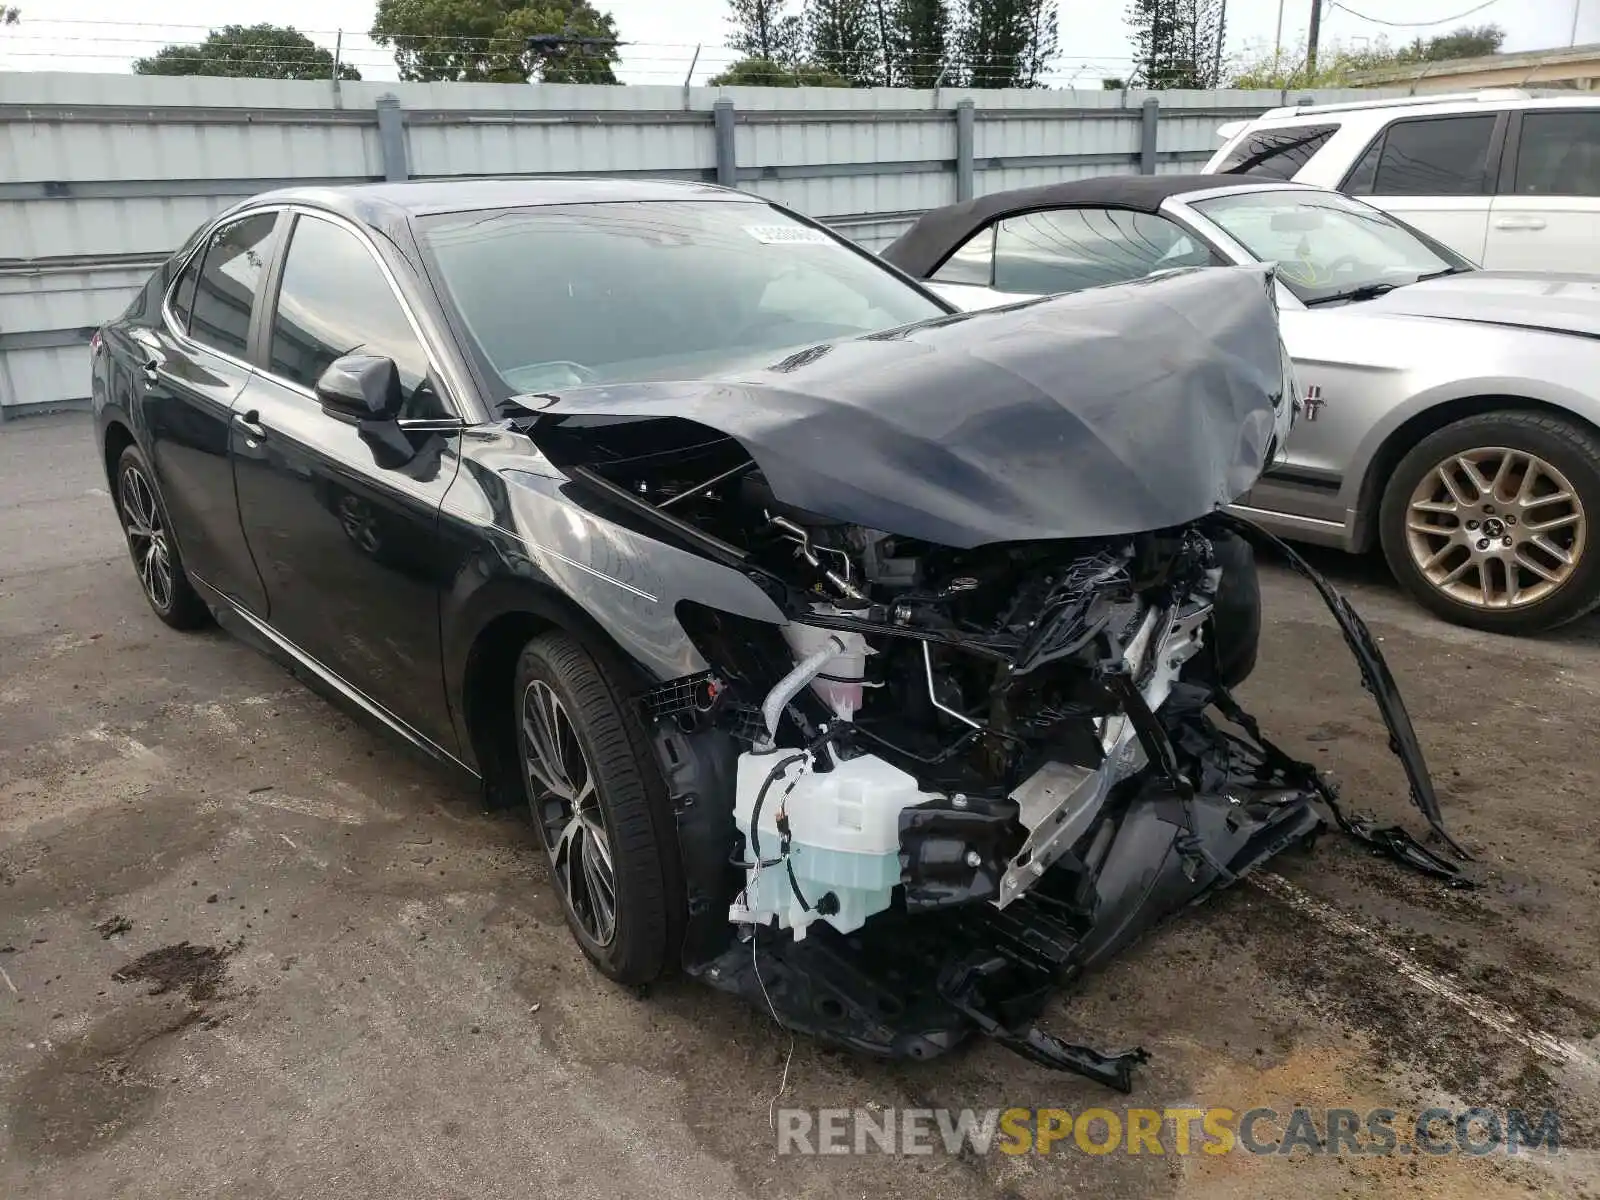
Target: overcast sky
95	35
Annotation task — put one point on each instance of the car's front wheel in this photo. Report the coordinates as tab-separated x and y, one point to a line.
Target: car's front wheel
601	806
151	545
1486	521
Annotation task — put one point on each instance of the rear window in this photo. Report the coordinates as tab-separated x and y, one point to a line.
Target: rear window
1437	156
565	295
230	280
1276	152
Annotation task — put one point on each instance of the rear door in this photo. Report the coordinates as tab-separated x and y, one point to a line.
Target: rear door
342	517
1437	173
193	363
1544	217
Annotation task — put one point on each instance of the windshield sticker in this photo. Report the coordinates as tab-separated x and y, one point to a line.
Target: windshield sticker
776	235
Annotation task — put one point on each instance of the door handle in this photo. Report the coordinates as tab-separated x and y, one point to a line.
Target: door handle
250	422
1520	223
153	355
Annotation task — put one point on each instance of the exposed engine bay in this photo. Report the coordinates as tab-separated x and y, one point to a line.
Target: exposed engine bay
960	775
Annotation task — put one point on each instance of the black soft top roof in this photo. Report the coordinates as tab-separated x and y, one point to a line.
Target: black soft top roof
920	249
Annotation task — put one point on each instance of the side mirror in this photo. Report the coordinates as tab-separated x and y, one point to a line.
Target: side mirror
364	387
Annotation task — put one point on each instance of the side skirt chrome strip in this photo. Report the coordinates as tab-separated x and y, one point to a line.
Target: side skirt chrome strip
1285	518
348	691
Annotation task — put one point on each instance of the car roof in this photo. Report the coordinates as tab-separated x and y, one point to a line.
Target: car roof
373	202
920	249
1487	99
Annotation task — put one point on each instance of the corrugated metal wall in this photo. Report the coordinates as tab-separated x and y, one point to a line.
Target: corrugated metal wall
102	175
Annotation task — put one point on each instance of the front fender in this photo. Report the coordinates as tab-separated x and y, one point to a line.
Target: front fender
526	544
1513	387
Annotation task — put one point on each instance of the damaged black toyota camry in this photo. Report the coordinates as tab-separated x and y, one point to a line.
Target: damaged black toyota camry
867	660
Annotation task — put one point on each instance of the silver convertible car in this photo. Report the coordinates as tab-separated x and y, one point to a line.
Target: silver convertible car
1448	414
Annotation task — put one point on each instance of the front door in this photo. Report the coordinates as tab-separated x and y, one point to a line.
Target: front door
193	367
1436	173
343	519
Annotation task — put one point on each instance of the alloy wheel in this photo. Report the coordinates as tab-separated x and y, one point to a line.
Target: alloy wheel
1496	528
147	536
567	808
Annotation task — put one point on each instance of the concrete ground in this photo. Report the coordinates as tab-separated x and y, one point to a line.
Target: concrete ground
250	949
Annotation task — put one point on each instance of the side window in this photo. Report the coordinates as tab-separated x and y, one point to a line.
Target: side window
972	263
1559	154
1365	173
1447	156
183	294
1277	152
334	300
230	279
1068	249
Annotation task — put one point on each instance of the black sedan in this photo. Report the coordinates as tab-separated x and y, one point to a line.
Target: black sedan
851	654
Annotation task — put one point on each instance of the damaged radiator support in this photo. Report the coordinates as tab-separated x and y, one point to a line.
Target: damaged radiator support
915	981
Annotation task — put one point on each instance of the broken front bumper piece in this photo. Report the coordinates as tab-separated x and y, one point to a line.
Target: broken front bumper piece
914	984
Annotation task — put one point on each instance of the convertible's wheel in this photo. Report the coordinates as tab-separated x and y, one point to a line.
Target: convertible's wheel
150	543
1486	522
601	807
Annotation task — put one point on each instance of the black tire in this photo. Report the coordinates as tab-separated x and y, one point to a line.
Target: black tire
650	909
1236	612
134	491
1570	448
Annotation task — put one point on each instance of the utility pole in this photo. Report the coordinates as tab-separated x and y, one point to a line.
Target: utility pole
1311	40
1576	5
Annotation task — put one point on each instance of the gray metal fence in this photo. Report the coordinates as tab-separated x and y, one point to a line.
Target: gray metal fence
102	175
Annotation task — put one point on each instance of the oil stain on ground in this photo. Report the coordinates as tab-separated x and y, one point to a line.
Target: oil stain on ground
90	1089
197	970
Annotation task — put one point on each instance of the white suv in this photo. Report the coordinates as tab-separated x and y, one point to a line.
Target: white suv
1510	180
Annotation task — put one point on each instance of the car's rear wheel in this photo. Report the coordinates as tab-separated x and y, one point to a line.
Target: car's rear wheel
155	554
601	806
1486	522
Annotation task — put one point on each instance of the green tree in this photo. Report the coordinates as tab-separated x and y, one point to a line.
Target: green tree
763	72
1006	43
1265	67
1465	42
843	37
486	41
249	52
919	42
765	30
1178	43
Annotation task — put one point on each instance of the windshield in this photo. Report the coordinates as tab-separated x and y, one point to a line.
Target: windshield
1327	247
560	296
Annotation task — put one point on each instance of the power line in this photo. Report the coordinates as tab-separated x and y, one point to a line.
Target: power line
1413	24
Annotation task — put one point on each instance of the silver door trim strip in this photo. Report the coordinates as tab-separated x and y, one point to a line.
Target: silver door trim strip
348	690
1245	510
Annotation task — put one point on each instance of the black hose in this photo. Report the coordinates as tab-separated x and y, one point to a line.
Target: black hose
761	797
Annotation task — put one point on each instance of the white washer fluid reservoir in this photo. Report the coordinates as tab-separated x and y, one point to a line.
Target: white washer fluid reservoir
844	828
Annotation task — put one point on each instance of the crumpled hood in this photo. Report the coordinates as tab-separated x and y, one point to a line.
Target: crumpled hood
1566	303
1107	412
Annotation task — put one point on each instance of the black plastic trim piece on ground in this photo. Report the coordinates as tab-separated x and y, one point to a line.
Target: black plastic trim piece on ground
1377	680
